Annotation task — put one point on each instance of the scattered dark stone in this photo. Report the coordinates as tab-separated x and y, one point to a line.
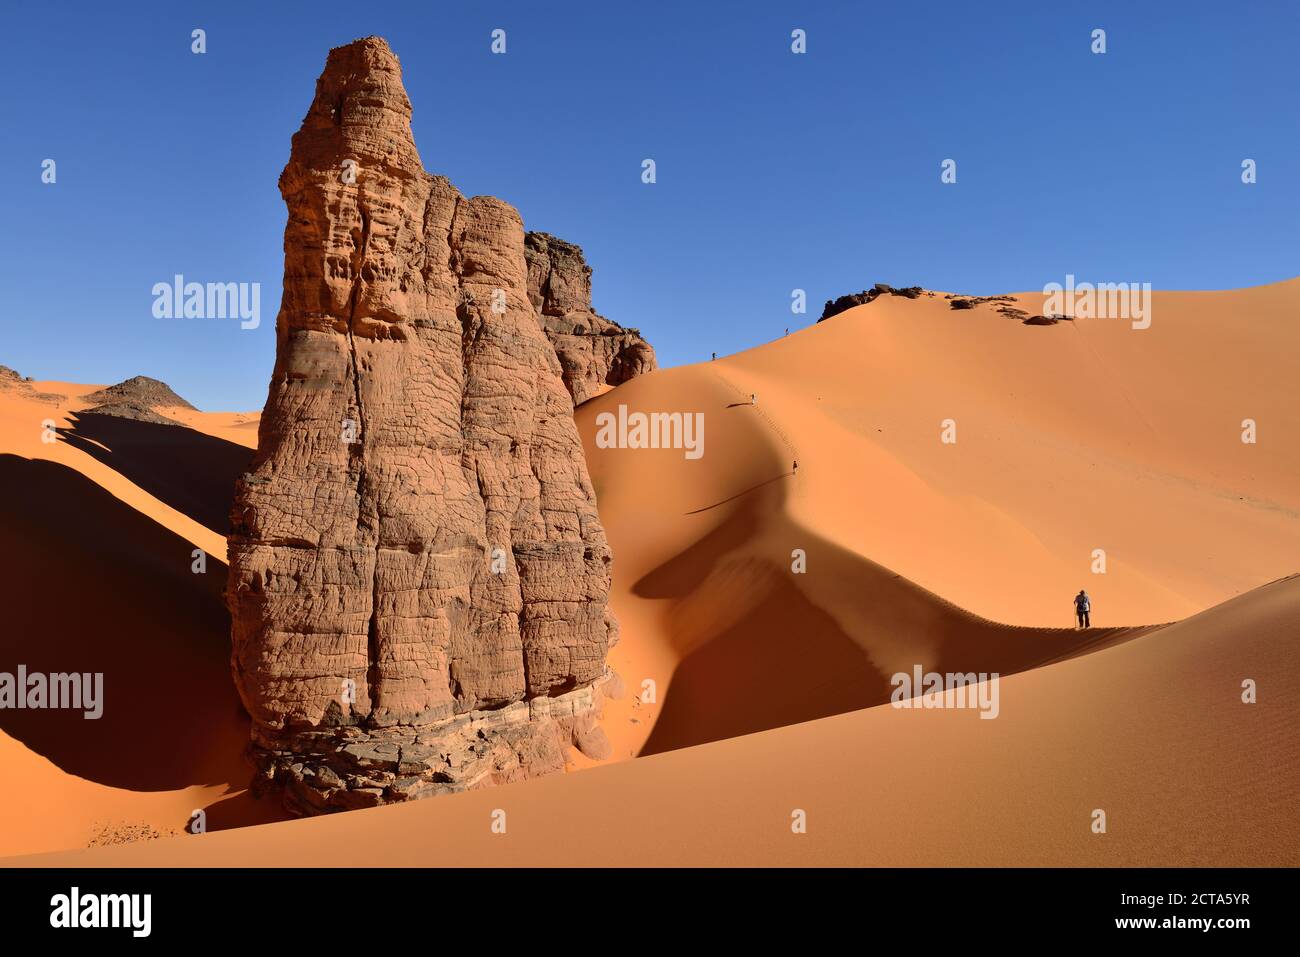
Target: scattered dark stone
834	307
970	302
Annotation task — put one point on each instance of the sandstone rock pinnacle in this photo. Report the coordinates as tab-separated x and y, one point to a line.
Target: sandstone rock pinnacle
418	576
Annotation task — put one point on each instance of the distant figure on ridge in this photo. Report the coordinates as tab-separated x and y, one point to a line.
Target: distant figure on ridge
1081	608
715	355
795	470
753	399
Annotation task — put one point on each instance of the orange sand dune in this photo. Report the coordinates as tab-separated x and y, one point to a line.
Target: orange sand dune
1087	434
1071	438
1153	732
733	639
1083	435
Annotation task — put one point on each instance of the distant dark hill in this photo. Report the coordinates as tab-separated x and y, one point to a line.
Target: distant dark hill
139	391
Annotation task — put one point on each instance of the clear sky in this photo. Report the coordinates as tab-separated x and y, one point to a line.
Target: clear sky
775	171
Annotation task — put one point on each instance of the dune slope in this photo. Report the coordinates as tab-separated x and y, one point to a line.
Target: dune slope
1081	436
1152	731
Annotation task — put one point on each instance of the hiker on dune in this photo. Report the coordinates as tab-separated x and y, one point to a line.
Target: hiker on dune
1082	606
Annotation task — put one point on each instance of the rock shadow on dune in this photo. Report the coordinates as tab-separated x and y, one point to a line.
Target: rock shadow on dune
192	472
91	585
756	653
761	647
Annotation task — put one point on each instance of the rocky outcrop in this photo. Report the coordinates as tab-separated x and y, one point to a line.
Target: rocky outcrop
11	380
834	307
140	391
128	410
138	398
594	352
418	577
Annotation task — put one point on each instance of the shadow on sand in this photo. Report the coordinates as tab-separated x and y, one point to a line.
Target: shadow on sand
763	647
192	472
89	584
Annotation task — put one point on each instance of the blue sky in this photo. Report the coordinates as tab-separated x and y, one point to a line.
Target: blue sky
776	171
